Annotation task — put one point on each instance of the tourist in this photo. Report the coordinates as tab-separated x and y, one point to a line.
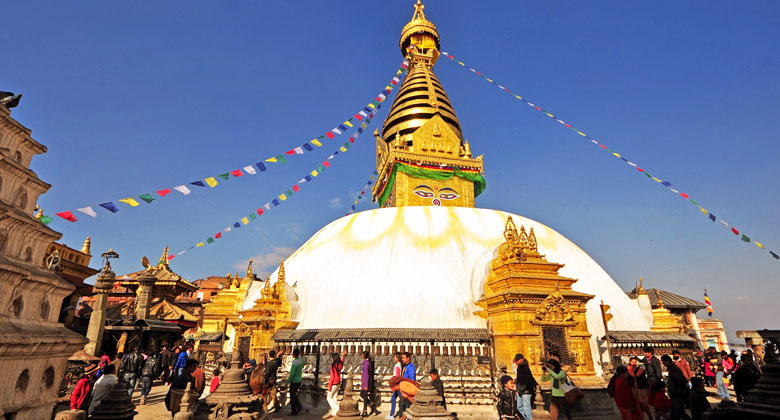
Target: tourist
746	376
728	367
653	368
438	385
552	371
179	385
117	362
79	399
102	388
271	367
716	365
408	389
507	399
249	367
397	370
148	373
623	394
131	369
181	362
710	367
410	372
165	363
198	385
640	385
367	385
104	361
334	383
257	380
525	385
677	387
662	405
215	379
698	399
682	364
294	381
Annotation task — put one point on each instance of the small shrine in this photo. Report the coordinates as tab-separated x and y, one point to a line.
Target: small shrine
256	326
233	396
221	314
531	309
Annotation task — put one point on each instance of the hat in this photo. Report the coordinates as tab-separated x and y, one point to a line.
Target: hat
395	380
91	369
519	356
505	379
253	362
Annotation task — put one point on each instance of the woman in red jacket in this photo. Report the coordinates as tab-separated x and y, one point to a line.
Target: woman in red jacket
624	395
334	384
79	399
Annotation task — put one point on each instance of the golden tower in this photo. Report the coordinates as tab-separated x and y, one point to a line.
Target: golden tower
422	158
221	314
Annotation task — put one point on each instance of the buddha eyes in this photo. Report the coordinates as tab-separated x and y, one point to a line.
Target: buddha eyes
448	196
423	193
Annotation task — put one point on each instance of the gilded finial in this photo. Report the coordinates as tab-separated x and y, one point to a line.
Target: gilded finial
466	148
40	212
532	245
280	276
266	292
641	290
86	245
660	301
249	269
163	257
418	11
510	230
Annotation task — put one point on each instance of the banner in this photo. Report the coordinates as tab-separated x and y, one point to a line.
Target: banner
365	188
617	155
250	169
709	304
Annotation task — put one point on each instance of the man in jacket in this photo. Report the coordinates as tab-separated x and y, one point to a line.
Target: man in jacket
525	385
367	385
148	373
131	367
103	387
294	381
507	399
165	363
682	364
653	368
181	362
746	377
271	369
409	369
677	386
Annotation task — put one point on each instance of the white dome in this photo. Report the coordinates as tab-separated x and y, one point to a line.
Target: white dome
424	267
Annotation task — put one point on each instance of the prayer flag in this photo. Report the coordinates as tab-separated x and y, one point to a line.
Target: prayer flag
359	117
759	244
67	216
281	158
308	147
709	304
308	178
228	229
260	211
45	220
210	240
198	183
170	257
314	173
200	244
326	164
244	220
703	210
273	159
252	216
320	168
745	238
290	152
237	172
282	197
275	201
88	211
342	149
164	192
224	176
211	181
777	257
298	151
684	195
723	222
329	135
250	170
351	140
289	193
363	113
735	231
236	225
296	188
218	235
337	131
129	200
342	127
110	207
182	189
316	143
146	197
261	166
267	206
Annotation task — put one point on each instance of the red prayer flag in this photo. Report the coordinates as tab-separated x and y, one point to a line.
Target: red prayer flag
296	188
325	164
237	172
602	146
351	140
67	216
330	135
359	117
289	152
164	192
170	257
567	125
684	195
218	235
639	169
736	232
260	212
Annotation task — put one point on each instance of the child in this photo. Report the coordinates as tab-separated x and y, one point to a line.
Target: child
507	399
660	402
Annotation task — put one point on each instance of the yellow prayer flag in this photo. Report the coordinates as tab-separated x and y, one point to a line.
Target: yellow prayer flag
282	197
200	244
363	126
518	97
703	210
273	159
581	133
244	220
348	124
316	143
550	115
615	154
342	149
759	244
461	63
130	200
371	106
488	80
314	173
655	179
211	181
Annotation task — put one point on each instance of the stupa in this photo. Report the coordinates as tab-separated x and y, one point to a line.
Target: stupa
426	272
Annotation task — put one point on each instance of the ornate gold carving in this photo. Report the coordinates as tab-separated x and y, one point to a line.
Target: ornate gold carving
243	330
514	245
554	309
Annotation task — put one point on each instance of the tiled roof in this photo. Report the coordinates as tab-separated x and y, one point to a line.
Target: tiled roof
671	300
648	336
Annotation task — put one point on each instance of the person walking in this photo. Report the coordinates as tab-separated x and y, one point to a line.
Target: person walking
271	370
408	389
79	399
367	385
640	385
294	381
716	365
552	371
525	384
410	372
677	386
661	403
165	363
682	364
148	373
181	362
507	399
728	367
334	383
131	368
698	399
746	377
397	370
623	394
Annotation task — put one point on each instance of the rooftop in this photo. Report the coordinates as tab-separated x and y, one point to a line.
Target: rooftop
671	300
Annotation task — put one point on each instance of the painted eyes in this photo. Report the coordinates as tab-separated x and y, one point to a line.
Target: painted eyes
448	196
423	193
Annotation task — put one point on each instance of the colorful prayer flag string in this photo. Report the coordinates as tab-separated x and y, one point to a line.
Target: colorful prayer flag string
617	155
250	169
363	191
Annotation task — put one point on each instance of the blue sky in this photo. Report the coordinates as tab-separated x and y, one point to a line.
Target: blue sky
134	97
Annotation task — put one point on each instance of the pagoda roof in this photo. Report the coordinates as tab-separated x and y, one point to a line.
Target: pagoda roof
671	300
649	336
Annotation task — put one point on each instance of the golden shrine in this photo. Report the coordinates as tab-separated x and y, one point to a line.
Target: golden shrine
221	313
531	309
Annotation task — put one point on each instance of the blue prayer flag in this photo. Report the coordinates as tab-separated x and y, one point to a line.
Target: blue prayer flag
237	225
308	147
261	166
198	183
110	207
275	201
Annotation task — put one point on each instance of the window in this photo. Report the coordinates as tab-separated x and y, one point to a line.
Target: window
21	200
48	377
28	254
45	309
200	296
16	306
23	380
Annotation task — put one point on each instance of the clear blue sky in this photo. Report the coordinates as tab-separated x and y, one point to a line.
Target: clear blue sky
133	97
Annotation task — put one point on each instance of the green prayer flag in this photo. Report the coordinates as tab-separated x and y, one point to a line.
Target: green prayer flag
252	216
210	240
146	197
694	202
289	193
281	159
745	238
648	175
346	145
224	176
320	169
45	220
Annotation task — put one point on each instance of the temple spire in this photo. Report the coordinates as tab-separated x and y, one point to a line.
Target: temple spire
164	257
85	247
249	269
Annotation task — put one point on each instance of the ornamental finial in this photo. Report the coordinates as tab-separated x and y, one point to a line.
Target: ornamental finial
85	247
280	276
641	290
249	269
418	11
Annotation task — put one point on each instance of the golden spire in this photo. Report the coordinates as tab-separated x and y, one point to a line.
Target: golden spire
85	247
266	292
164	257
532	245
641	290
660	301
280	276
249	269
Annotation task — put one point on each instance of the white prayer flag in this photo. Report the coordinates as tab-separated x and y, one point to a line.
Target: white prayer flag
182	189
250	170
88	211
299	150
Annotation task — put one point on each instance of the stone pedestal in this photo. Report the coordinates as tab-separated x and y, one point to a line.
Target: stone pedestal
348	407
427	404
144	296
71	415
97	320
